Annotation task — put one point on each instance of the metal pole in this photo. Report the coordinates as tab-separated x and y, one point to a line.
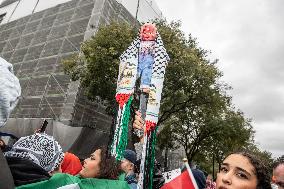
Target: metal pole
138	4
213	175
166	159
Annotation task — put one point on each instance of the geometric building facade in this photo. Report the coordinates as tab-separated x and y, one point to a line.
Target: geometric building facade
36	43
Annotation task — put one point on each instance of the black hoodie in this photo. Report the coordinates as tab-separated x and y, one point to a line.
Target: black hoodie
6	179
25	171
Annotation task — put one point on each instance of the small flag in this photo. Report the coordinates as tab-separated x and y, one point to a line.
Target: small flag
170	175
180	179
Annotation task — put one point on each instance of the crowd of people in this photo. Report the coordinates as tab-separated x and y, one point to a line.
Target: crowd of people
37	161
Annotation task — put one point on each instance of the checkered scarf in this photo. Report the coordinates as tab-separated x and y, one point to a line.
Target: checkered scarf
40	148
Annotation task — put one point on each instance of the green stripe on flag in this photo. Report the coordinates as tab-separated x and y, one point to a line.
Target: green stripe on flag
66	181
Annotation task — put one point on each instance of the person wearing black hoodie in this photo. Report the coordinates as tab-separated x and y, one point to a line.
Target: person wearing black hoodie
34	158
10	91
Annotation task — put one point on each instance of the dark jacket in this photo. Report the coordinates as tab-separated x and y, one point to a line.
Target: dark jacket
6	179
199	178
131	181
25	171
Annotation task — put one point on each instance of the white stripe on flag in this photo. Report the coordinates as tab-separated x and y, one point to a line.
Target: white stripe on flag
70	186
170	175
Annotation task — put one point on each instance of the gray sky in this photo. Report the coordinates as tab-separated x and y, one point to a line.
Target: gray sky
247	37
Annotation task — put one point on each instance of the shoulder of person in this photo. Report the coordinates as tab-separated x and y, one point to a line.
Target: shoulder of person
56	181
131	179
102	183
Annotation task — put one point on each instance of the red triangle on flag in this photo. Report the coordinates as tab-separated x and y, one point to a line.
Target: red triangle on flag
185	180
122	99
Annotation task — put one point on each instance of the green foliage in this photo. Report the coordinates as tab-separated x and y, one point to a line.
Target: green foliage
234	133
165	138
265	156
97	66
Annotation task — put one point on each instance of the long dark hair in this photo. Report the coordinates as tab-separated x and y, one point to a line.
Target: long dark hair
109	168
261	170
2	146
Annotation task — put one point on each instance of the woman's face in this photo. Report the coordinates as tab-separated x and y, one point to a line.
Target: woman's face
236	173
91	166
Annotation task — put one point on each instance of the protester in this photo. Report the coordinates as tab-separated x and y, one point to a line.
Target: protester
199	178
34	158
99	171
71	164
10	91
278	174
242	170
100	165
3	146
128	164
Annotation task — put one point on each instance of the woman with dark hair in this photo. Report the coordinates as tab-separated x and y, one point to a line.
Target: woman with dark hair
3	146
100	165
242	170
99	171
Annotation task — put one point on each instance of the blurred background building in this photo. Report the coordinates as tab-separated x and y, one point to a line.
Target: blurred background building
35	35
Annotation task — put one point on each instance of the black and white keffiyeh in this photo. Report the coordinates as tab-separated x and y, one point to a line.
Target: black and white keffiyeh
40	148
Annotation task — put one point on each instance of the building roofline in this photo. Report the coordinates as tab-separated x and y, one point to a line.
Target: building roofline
7	2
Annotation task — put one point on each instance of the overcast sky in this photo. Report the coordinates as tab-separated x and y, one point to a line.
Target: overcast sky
247	36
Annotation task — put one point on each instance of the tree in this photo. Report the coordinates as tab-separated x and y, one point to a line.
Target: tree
263	155
187	74
97	65
208	136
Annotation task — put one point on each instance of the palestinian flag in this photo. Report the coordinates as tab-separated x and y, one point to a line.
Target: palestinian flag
66	181
179	179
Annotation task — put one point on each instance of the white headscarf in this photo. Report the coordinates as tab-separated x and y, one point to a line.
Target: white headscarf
10	90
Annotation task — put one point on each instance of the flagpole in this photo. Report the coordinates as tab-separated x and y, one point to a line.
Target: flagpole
138	4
